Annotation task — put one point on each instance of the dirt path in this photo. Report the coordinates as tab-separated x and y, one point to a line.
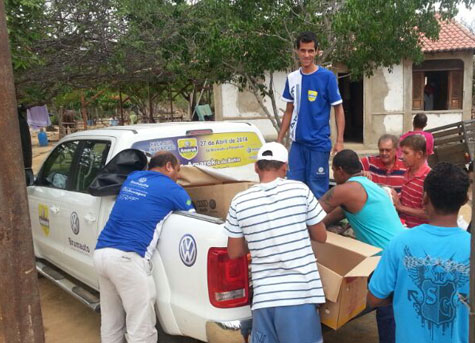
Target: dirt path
66	320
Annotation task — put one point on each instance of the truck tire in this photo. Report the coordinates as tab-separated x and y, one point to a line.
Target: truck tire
166	338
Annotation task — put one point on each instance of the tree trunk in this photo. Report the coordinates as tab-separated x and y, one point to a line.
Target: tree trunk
171	102
150	105
257	94
192	102
121	108
19	296
61	129
84	110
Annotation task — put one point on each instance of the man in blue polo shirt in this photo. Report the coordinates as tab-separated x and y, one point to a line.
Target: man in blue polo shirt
310	92
126	244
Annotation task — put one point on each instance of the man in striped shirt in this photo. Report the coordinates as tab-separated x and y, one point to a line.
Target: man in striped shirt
275	221
409	203
385	169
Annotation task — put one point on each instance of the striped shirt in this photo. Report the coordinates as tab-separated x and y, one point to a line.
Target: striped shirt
273	219
393	177
411	194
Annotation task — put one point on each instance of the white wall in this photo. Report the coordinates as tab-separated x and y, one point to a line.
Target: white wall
440	119
244	104
394	100
237	105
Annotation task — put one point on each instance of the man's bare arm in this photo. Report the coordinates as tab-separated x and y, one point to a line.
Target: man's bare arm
334	216
416	212
237	247
318	232
331	199
373	301
340	127
285	121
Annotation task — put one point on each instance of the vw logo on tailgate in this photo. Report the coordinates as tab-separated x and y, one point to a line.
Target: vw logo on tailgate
187	248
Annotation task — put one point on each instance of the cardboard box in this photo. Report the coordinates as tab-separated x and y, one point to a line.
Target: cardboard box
344	265
214	200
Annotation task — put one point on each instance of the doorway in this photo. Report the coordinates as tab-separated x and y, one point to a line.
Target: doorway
352	95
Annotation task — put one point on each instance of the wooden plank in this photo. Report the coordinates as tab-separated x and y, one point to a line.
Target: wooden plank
469	124
439	128
447	140
457	130
451	147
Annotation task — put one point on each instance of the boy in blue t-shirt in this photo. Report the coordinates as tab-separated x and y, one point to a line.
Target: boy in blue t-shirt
424	271
310	92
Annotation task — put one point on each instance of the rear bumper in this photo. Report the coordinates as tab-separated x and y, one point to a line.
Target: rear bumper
228	332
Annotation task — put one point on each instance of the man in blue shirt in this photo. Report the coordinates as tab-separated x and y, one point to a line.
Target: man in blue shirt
424	272
310	92
126	245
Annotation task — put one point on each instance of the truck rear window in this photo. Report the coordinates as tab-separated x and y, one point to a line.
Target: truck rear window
217	150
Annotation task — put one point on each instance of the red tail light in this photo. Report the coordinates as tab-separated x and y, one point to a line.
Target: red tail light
228	280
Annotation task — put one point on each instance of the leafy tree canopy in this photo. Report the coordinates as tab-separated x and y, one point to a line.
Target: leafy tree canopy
128	44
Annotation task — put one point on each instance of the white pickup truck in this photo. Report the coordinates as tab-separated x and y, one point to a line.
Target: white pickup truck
201	293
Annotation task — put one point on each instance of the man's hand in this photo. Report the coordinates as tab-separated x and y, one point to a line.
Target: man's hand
337	147
366	173
396	199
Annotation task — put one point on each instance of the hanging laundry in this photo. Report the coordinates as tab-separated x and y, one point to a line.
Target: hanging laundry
38	117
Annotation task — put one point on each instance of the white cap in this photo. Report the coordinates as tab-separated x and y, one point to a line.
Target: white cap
273	152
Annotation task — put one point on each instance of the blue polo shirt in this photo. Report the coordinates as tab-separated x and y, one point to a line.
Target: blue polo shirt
312	95
144	202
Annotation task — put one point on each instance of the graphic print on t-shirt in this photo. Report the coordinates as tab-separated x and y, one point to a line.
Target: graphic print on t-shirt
436	297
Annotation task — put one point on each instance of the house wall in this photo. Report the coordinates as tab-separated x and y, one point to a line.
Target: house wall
387	101
236	105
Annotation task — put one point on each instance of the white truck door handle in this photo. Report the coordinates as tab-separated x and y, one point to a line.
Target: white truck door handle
54	209
89	218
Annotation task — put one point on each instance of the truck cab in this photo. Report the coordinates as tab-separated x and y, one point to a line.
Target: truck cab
200	292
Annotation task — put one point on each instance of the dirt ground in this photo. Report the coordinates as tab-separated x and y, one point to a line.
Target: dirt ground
66	320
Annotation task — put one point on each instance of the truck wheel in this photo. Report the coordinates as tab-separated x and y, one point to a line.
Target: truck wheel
166	338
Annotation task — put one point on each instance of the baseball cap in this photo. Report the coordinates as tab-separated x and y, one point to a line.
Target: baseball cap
273	152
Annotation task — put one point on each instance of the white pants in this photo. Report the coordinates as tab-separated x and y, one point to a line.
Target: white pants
127	297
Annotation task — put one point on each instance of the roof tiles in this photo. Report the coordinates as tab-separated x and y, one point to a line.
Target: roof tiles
452	37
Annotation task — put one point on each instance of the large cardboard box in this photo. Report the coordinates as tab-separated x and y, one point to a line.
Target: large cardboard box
212	190
344	265
214	200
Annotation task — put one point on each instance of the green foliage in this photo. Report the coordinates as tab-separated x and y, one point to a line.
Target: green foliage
25	21
145	48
